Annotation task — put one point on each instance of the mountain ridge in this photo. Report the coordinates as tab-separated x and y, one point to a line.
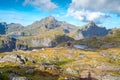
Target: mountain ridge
49	32
49	23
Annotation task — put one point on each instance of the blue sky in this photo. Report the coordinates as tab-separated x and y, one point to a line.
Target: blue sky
78	12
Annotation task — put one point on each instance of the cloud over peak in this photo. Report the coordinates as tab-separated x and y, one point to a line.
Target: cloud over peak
42	4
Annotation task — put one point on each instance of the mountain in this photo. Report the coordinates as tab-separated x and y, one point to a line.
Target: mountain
46	24
90	30
93	30
50	23
12	27
9	28
49	32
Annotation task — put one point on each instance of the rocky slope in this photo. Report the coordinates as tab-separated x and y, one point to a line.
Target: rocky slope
61	64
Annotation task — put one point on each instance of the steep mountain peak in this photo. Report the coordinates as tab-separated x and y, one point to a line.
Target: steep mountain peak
92	24
49	19
90	30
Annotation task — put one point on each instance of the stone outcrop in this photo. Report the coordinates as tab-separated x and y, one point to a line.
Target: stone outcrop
14	59
7	44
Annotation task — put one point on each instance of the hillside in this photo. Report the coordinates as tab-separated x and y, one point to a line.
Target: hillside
47	24
111	40
49	39
61	64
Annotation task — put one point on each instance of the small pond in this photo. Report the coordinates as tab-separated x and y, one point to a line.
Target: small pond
82	46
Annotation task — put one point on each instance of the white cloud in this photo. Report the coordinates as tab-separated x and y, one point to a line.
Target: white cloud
101	5
87	10
85	15
42	4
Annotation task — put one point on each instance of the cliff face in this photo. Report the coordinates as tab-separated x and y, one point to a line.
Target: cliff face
90	30
3	28
38	42
7	44
93	30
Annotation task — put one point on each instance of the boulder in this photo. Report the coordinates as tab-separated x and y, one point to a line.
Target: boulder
109	77
13	76
14	59
47	66
71	71
30	71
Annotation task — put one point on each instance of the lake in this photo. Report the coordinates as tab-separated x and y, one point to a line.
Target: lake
82	46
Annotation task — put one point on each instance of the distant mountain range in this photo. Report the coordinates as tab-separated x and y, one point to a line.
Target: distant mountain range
50	23
47	32
9	28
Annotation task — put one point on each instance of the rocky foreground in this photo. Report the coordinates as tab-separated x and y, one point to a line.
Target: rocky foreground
60	64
